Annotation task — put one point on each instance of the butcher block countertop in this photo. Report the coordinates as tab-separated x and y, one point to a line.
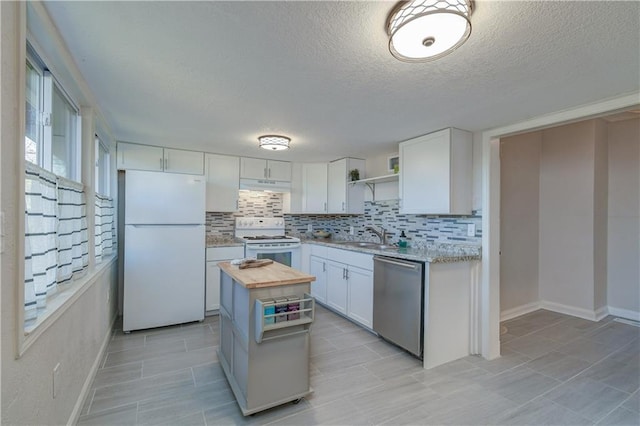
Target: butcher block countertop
273	275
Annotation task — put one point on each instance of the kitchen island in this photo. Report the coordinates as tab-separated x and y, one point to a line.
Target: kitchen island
265	319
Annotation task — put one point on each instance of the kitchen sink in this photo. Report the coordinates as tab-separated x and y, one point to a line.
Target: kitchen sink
366	244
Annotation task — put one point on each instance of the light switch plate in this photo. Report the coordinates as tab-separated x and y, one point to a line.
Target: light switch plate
351	230
471	230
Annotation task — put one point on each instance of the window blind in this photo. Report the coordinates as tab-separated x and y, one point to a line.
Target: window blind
41	260
56	242
104	230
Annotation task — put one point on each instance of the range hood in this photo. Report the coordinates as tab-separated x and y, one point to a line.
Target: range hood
265	185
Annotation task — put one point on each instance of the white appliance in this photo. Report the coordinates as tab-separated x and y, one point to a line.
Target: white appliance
264	238
164	249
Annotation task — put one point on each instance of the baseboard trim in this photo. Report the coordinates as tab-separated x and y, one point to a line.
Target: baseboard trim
519	310
624	313
596	315
75	414
574	311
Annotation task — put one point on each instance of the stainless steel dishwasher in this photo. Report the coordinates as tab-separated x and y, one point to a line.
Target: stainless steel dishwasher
398	301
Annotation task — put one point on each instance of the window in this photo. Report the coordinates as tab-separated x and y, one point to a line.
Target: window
64	136
52	125
33	131
102	168
104	223
56	234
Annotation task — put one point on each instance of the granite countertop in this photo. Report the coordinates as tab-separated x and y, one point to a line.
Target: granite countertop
223	241
432	253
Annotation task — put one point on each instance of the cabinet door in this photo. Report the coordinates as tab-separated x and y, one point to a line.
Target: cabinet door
253	168
337	286
435	173
132	156
314	188
181	161
343	197
318	268
360	306
279	170
212	291
222	172
337	186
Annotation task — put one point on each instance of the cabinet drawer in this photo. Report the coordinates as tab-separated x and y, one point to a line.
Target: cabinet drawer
224	253
318	250
352	258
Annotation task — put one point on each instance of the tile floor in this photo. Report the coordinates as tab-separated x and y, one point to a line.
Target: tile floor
555	369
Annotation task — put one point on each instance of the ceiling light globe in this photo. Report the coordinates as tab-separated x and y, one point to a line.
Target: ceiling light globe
425	30
274	142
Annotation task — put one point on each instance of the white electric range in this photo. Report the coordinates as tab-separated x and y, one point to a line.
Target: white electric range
264	238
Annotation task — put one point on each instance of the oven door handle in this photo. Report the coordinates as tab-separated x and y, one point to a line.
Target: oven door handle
253	247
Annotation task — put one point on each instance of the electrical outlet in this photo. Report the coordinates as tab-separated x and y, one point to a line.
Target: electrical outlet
310	228
471	230
351	231
56	379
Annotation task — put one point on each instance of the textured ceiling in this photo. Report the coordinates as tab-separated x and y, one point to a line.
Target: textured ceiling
214	75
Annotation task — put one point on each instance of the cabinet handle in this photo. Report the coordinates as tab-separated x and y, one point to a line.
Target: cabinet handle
343	206
161	163
346	274
265	172
269	172
325	207
324	267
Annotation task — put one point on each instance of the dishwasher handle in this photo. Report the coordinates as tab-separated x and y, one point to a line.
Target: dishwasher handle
407	265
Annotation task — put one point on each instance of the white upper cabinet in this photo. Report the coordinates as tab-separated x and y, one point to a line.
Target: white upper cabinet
343	197
436	173
223	177
314	188
181	161
132	156
256	168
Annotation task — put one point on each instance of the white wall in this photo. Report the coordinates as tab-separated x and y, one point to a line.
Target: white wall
74	339
623	273
519	210
566	215
588	219
600	209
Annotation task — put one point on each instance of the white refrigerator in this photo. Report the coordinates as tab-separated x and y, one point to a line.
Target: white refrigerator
164	249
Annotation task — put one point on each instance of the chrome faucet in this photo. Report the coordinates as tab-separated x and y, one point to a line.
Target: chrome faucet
382	233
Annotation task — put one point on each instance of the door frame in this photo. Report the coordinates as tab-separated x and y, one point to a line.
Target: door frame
490	281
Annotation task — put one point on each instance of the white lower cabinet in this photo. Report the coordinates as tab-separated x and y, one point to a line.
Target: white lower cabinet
318	268
344	282
360	298
337	286
212	275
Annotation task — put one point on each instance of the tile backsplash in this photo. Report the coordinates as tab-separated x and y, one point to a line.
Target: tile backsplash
418	229
250	203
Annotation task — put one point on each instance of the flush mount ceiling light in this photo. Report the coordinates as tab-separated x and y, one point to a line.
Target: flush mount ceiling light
425	30
274	142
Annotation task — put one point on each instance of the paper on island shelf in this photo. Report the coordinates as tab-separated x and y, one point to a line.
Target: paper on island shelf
240	261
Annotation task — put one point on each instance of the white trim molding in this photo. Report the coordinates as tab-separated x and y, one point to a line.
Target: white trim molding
624	313
591	315
519	311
